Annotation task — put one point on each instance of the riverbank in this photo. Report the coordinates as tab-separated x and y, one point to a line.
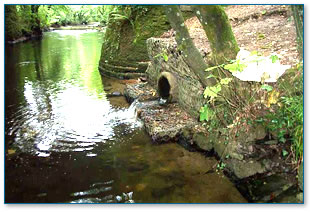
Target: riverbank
262	176
252	155
55	27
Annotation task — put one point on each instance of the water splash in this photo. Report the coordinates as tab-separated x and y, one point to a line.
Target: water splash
67	118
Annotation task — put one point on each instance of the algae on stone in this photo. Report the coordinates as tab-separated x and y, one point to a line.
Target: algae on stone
124	44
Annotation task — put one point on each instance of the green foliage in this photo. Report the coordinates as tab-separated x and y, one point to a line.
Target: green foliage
237	65
284	153
287	120
221	165
206	113
266	87
12	28
212	91
225	81
163	55
274	58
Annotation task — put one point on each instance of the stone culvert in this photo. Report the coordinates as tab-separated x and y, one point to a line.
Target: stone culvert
173	78
168	87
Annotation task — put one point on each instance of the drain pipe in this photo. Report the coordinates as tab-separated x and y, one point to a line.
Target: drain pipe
167	87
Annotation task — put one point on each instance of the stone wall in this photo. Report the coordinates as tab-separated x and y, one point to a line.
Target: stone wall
190	90
124	53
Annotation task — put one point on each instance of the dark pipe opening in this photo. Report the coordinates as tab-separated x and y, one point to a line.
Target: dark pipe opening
163	88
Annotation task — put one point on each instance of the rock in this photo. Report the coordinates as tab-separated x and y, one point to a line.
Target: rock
243	169
287	195
114	94
143	79
162	101
201	140
42	195
137	166
143	91
124	49
140	186
300	197
11	151
255	133
273	188
107	88
300	176
118	198
271	142
160	192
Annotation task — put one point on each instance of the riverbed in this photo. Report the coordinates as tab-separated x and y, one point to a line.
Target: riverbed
67	142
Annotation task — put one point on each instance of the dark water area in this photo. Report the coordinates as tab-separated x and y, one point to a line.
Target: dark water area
66	142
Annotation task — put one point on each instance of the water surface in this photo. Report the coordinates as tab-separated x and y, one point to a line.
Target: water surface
67	142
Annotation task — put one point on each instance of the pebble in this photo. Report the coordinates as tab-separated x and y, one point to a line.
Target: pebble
118	198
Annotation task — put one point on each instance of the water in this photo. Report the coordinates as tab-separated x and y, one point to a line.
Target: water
67	142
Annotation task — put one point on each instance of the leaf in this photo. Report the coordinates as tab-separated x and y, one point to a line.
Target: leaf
282	140
211	76
264	77
231	67
272	98
211	68
254	53
212	91
260	36
266	87
225	81
264	12
165	56
236	66
205	113
284	153
274	58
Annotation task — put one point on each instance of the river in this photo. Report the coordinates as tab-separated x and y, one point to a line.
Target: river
66	142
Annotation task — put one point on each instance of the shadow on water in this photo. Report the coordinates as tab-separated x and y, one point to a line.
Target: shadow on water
67	142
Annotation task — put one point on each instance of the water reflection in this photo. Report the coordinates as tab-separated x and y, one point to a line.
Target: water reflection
64	106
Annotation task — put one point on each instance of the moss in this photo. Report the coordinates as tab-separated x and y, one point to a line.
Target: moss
125	38
218	29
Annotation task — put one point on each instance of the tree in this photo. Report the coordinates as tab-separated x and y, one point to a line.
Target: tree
218	30
298	13
12	28
36	28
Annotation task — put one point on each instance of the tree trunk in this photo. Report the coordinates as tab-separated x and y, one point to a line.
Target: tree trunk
36	29
218	30
192	55
298	15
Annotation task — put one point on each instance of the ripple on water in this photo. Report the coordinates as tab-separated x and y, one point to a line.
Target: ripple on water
71	119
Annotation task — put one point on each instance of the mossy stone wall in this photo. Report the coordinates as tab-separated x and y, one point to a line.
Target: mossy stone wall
190	90
124	52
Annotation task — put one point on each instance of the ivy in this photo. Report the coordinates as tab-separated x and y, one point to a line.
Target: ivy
205	113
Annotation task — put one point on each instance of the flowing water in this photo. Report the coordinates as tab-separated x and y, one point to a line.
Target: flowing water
67	142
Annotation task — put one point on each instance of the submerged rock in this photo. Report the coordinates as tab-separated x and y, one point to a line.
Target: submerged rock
243	169
273	188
